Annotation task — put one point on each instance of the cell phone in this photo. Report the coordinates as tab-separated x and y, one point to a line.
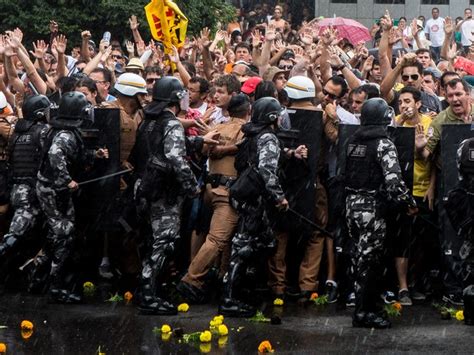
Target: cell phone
106	37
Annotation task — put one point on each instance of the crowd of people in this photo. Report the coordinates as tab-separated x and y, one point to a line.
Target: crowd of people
233	177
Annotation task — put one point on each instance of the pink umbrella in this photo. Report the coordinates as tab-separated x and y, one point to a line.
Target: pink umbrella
354	31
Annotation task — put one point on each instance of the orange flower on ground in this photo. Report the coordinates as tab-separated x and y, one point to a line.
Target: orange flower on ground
313	296
265	347
397	306
127	296
3	348
26	325
26	334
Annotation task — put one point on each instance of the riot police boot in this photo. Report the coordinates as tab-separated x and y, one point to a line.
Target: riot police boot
58	295
233	308
468	296
370	320
150	304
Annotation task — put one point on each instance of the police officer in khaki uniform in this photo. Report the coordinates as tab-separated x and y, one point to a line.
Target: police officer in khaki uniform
131	91
222	174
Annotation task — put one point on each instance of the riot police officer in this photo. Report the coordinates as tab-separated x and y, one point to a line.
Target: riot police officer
25	154
255	193
460	210
373	176
63	156
24	157
165	178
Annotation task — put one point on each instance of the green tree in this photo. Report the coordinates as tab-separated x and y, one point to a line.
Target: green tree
98	16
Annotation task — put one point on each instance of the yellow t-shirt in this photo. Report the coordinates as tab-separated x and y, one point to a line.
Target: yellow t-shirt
421	168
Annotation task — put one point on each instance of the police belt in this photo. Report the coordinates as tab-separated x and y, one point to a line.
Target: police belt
217	180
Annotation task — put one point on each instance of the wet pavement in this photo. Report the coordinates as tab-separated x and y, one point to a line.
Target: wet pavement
118	329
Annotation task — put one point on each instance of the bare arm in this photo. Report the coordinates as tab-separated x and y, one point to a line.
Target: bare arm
183	73
60	43
134	27
86	35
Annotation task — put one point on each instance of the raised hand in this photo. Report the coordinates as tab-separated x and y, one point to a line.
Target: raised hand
53	26
220	35
270	33
448	26
103	45
174	57
130	47
420	138
86	35
414	28
256	38
329	36
40	48
386	21
133	22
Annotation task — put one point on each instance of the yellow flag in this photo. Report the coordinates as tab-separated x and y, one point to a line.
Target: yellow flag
167	23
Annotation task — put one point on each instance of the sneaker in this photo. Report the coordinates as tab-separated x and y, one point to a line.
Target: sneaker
418	296
331	292
404	297
388	297
351	300
455	300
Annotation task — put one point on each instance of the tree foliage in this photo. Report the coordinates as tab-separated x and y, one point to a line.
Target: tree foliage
98	16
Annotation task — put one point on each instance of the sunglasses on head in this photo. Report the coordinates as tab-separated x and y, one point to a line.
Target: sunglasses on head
285	67
413	77
331	96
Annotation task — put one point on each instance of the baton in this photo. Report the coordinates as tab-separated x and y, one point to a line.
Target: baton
121	172
311	223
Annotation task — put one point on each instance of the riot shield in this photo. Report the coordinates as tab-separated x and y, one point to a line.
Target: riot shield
402	137
298	177
451	136
95	202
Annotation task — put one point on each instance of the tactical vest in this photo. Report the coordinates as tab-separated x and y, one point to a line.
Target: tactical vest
150	140
25	153
363	171
73	165
247	153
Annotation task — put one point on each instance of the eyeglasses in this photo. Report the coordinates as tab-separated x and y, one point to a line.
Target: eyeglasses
285	67
413	77
151	80
331	96
116	56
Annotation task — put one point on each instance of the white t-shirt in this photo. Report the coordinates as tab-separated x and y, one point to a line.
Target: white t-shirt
467	28
435	28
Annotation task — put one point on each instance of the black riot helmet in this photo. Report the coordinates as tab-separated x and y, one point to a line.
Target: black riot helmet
466	158
73	108
376	112
265	111
168	89
36	108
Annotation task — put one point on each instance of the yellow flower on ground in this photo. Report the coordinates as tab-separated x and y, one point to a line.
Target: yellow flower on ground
222	341
183	307
205	348
460	315
223	330
26	325
397	306
88	284
3	348
219	318
205	337
165	328
313	296
127	296
278	302
166	336
265	347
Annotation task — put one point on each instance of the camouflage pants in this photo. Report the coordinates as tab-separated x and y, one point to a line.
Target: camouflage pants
367	229
165	225
59	211
254	237
25	204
